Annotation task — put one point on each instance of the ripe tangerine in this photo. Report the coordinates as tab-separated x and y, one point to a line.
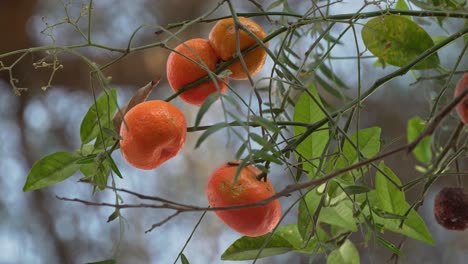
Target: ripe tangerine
152	133
182	71
223	40
249	221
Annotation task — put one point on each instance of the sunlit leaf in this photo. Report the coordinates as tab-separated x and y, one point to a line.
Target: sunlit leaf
422	151
392	199
356	189
291	234
102	174
307	208
311	149
247	248
52	169
339	215
401	5
398	41
99	115
347	253
368	143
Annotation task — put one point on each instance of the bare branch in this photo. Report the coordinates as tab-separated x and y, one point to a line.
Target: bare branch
160	223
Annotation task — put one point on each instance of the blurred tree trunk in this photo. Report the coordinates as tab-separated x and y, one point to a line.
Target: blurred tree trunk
14	17
134	70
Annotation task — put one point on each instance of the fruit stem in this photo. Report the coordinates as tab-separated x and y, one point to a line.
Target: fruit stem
261	176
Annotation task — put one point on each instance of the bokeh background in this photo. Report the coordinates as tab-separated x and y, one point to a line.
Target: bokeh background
35	227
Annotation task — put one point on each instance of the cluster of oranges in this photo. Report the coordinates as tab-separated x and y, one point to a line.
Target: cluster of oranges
155	131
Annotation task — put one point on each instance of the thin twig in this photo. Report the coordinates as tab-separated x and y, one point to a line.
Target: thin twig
160	223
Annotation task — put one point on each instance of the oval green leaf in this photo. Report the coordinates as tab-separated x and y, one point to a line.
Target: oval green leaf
184	259
346	254
422	151
99	115
247	248
308	111
52	169
398	41
392	200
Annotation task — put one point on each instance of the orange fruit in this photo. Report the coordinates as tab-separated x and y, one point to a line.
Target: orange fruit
462	107
152	133
223	40
249	221
181	71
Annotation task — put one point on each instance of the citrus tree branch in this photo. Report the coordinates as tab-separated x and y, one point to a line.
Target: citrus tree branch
180	207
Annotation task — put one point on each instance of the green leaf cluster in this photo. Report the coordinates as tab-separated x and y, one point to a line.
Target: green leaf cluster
92	160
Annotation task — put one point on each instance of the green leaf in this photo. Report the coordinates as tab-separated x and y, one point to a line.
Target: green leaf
401	5
107	261
102	174
99	115
329	88
205	106
224	74
398	41
52	169
307	111
274	4
347	253
86	160
307	207
88	169
332	76
113	166
264	143
356	189
422	151
184	259
265	156
208	132
392	200
113	216
388	245
339	215
440	4
385	214
291	234
104	140
367	141
241	150
270	125
247	248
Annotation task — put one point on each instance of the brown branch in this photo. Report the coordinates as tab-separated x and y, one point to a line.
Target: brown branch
165	220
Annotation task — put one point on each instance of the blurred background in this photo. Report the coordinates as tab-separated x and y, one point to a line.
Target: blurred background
35	227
